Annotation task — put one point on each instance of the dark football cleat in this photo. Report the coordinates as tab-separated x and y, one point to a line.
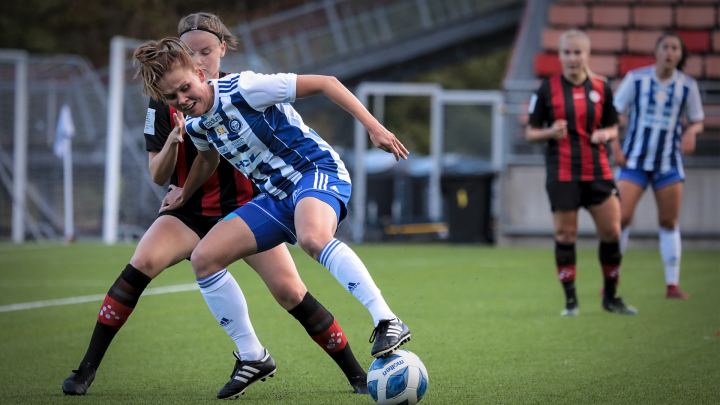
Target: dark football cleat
359	384
245	373
674	292
79	381
571	308
617	306
388	336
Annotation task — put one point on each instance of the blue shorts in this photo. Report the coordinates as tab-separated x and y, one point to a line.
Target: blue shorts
273	221
657	179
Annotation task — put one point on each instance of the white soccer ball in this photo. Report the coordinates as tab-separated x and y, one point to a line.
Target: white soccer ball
399	378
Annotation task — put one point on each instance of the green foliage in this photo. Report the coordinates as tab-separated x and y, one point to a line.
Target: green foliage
485	321
85	27
409	117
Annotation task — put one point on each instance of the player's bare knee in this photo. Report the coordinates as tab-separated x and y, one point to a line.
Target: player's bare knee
566	235
311	244
146	264
203	264
289	298
667	223
625	221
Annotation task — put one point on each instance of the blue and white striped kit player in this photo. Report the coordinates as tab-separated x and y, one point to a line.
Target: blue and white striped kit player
655	123
253	126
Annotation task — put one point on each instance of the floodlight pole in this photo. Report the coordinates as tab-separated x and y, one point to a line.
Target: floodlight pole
114	141
20	127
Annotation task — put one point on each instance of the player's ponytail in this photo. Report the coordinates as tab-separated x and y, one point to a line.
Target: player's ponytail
209	23
157	58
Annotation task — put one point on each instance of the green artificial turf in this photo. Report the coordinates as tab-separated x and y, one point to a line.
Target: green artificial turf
485	321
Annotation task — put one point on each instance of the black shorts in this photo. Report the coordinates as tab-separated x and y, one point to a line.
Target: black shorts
199	224
571	195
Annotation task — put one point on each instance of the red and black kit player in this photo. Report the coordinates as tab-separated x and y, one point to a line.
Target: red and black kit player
175	234
573	114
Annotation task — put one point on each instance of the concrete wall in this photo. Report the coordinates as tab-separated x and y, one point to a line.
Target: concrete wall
525	208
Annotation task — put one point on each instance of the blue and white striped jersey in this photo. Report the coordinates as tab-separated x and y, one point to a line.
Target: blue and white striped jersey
656	117
254	127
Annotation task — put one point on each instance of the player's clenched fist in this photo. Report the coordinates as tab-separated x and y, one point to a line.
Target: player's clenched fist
559	128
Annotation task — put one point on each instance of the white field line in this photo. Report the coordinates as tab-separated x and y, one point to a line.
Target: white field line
95	297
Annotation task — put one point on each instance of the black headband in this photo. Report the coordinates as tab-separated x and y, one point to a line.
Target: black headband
202	29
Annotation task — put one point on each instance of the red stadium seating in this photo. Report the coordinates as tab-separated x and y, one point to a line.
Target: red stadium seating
550	39
611	16
712	118
630	62
712	66
605	65
652	17
547	64
568	15
642	41
695	41
606	40
623	34
695	17
694	66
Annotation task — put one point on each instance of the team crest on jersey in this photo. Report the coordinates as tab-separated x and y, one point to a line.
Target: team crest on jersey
235	125
594	96
210	122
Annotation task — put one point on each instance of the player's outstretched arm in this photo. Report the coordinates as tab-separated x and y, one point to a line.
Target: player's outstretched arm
162	164
202	168
310	85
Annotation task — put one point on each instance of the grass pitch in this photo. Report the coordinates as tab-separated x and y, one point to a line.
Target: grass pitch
484	320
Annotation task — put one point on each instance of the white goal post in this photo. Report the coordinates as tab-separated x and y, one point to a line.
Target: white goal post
20	134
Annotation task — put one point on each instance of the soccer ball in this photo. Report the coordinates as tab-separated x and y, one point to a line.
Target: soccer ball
398	378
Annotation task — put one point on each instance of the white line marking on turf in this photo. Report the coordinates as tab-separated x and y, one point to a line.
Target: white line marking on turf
95	297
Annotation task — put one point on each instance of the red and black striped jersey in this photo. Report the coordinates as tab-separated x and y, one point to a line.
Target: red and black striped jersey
586	108
222	193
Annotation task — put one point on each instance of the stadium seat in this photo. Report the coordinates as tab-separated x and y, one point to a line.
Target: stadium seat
712	118
695	41
547	64
652	17
630	62
712	66
568	15
642	41
604	65
550	39
695	17
716	41
611	16
694	66
606	40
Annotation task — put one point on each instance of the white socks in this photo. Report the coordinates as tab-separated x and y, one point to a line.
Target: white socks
227	303
671	250
347	268
624	236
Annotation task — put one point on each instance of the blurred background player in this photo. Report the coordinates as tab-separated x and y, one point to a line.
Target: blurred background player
175	233
657	98
579	111
305	187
